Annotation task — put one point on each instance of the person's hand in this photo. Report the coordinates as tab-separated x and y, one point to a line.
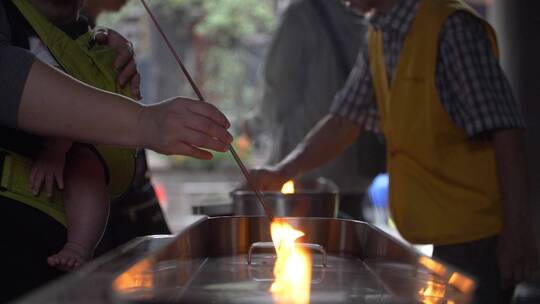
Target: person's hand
48	168
125	60
517	253
184	126
265	179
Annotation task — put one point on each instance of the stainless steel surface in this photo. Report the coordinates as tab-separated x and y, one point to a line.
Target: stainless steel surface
270	245
313	198
92	283
239	162
208	264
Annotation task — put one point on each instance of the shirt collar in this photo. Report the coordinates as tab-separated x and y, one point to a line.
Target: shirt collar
398	19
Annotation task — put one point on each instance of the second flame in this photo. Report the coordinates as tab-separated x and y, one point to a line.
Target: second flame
288	187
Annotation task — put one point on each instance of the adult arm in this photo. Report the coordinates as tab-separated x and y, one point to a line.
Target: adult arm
55	104
353	109
38	99
329	138
15	63
518	255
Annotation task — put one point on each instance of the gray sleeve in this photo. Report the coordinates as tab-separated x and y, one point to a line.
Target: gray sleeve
284	71
472	85
15	63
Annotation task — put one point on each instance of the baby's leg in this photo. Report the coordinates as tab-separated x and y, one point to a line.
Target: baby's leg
87	207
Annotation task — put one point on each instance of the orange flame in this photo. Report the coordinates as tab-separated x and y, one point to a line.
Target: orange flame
292	270
288	187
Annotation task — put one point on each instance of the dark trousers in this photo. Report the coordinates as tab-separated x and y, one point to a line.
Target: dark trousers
479	259
28	237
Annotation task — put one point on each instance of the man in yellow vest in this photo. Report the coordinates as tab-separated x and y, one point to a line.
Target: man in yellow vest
431	83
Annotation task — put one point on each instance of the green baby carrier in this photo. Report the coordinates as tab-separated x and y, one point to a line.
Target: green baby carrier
93	65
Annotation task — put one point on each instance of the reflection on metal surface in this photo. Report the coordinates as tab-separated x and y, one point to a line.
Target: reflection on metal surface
207	263
432	292
292	269
436	291
137	278
288	187
461	282
432	265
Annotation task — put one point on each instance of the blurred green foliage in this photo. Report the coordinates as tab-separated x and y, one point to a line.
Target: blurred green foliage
228	28
231	32
222	21
229	20
220	162
226	24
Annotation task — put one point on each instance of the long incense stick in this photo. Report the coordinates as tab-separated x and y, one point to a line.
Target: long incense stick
198	92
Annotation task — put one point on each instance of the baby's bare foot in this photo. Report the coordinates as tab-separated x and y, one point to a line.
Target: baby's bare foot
71	257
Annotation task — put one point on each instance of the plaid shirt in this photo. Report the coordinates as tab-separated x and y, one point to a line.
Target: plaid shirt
472	87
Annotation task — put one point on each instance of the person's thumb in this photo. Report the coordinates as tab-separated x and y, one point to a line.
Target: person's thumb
101	36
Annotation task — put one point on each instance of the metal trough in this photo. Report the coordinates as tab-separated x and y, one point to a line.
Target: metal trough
353	262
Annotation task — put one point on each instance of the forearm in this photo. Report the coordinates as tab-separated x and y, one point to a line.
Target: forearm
55	104
329	138
517	251
58	145
511	168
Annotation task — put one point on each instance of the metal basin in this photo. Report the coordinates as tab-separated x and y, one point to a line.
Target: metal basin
313	198
354	262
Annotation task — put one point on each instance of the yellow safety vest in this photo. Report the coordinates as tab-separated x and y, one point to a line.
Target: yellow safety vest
444	187
93	65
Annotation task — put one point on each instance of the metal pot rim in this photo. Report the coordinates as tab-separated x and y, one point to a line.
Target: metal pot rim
277	193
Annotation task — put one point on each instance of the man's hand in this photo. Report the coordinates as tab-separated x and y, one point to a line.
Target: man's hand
517	253
125	62
184	126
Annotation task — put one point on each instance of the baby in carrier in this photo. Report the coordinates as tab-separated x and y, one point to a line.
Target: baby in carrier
76	169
